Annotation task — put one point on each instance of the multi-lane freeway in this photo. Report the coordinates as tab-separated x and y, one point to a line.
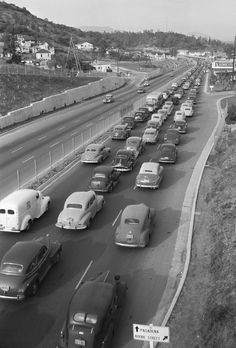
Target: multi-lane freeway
37	321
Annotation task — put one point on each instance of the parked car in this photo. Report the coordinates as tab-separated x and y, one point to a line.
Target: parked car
150	175
150	136
141	90
95	153
167	153
94	312
108	99
79	210
124	160
158	117
179	93
172	136
121	132
181	126
130	121
145	110
24	266
104	179
135	144
168	109
165	94
163	112
175	100
146	83
188	111
179	115
20	208
153	124
135	226
170	104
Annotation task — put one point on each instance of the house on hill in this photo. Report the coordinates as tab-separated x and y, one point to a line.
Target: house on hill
43	55
86	46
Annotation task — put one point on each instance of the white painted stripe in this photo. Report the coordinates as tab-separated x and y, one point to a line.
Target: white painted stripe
100	118
84	274
59	129
17	149
134	188
114	222
41	138
54	144
75	133
28	159
89	124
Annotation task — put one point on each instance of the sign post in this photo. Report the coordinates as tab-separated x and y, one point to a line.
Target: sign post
151	333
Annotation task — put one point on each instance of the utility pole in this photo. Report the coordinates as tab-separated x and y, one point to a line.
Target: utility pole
233	62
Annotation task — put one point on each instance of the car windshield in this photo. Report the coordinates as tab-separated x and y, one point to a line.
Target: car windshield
91	149
131	221
133	142
126	119
166	150
13	268
119	129
149	132
74	205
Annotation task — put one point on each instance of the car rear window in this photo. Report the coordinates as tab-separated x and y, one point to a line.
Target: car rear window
131	221
85	318
2	211
12	268
74	205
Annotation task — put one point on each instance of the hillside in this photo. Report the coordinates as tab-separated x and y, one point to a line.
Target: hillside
59	35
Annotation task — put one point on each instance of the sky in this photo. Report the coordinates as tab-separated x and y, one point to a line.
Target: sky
210	18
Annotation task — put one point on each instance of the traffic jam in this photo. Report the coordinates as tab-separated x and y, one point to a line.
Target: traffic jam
96	305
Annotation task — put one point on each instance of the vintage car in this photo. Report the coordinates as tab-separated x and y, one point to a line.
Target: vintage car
140	116
181	126
135	226
179	115
94	312
150	136
146	83
95	153
170	104
108	99
172	136
141	90
167	153
130	121
124	160
165	94
188	111
159	117
79	210
154	124
150	175
25	265
145	110
135	144
175	100
20	208
121	132
163	112
179	93
104	179
168	109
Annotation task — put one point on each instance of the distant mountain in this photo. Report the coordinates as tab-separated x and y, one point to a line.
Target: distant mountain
97	29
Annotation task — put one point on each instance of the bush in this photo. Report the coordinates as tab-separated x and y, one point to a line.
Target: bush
231	116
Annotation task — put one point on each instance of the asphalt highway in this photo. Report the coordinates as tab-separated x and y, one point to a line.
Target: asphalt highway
37	321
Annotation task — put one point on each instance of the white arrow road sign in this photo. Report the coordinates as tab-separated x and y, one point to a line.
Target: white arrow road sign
151	333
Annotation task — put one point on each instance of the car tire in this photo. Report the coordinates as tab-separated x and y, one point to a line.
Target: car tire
34	288
57	257
29	224
88	224
47	207
110	190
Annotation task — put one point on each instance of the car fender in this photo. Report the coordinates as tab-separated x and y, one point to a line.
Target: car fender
86	218
25	222
100	202
44	205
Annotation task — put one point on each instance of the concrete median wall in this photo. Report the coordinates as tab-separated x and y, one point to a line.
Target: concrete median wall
58	101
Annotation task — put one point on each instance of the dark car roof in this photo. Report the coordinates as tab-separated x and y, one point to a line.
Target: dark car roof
103	170
92	297
124	152
22	252
138	211
168	145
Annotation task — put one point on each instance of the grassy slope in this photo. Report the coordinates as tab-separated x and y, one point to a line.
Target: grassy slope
205	315
17	91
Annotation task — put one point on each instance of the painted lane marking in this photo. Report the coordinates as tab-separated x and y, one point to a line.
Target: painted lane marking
54	144
114	222
84	274
41	138
17	149
63	127
28	159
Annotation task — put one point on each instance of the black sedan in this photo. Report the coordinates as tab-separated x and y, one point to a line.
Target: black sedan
124	160
94	312
104	179
25	265
167	153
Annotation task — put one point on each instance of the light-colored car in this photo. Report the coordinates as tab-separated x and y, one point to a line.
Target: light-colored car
150	135
20	208
79	210
150	175
108	99
135	144
154	124
168	109
95	153
188	111
163	112
135	226
179	115
158	117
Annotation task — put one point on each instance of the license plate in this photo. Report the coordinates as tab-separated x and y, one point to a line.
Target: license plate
79	342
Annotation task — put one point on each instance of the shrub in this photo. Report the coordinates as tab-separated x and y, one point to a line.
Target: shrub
231	116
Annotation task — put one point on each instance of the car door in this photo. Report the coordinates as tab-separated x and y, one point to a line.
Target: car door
43	262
